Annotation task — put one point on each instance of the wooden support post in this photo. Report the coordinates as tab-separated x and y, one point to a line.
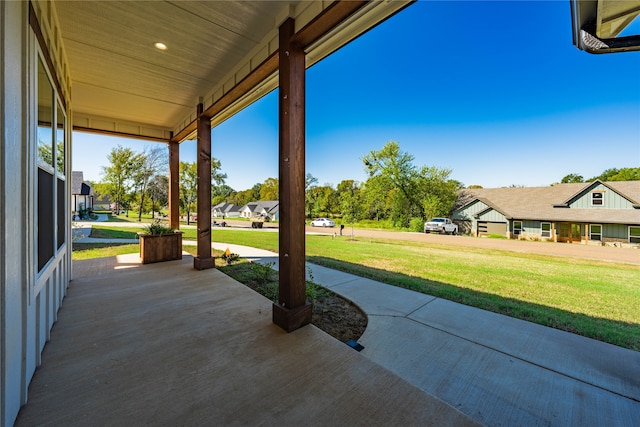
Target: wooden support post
292	310
174	185
204	259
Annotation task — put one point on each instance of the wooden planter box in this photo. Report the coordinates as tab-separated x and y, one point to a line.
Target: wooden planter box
157	248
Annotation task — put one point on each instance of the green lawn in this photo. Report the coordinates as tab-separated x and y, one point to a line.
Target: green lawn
600	300
100	250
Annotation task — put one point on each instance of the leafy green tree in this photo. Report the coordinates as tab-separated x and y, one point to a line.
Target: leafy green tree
255	192
439	192
399	189
330	203
350	201
310	194
322	197
241	198
151	162
222	193
376	198
119	175
158	192
269	189
189	183
188	187
572	178
624	174
397	168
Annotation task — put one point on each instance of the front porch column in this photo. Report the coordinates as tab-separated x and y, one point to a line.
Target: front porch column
174	185
292	310
204	259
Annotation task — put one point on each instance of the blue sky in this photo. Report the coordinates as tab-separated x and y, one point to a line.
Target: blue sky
494	91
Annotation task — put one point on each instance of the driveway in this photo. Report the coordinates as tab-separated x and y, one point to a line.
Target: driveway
600	253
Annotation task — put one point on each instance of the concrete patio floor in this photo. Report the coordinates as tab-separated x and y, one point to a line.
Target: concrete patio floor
164	344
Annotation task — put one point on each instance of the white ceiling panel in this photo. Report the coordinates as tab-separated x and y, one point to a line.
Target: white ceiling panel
117	72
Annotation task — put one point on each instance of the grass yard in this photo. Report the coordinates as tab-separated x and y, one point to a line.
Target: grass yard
100	250
600	300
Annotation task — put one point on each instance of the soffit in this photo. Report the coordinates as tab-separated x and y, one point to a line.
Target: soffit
120	83
614	15
118	74
597	25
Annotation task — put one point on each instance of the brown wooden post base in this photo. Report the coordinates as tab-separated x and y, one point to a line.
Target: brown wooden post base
203	263
291	319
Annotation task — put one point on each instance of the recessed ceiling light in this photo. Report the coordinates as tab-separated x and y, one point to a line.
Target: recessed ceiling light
160	46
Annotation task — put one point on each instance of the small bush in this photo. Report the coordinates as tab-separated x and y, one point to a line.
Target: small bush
229	257
416	224
158	229
263	272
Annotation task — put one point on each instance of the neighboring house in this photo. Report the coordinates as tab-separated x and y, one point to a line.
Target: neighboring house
102	203
226	210
81	194
267	208
602	213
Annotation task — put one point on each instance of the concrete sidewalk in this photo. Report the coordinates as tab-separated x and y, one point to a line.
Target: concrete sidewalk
496	369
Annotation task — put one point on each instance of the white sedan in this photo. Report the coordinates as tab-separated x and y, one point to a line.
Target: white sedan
322	222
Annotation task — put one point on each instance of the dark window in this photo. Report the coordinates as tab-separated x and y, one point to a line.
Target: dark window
62	212
597	199
45	218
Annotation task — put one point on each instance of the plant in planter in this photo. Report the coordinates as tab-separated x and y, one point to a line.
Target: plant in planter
160	243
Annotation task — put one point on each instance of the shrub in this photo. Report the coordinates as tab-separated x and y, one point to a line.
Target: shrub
416	224
158	229
229	257
263	272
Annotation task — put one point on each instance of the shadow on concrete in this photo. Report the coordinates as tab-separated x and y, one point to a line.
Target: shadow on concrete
622	334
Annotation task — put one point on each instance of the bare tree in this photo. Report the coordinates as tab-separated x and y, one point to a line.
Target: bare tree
151	162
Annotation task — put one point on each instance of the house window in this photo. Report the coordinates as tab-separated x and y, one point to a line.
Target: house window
517	228
634	234
51	199
597	198
595	232
546	229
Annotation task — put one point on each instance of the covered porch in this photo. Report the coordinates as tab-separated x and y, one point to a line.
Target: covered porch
165	344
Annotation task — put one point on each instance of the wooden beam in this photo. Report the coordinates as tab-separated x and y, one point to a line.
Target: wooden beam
257	76
204	259
174	185
330	18
292	311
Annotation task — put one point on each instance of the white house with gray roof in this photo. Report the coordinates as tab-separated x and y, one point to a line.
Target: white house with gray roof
226	210
602	213
266	208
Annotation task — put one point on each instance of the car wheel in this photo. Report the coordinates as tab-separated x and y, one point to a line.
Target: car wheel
453	233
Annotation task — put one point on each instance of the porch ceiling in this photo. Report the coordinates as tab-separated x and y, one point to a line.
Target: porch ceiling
121	83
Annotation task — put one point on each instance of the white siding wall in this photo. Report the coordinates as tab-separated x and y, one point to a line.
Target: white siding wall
29	299
12	221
